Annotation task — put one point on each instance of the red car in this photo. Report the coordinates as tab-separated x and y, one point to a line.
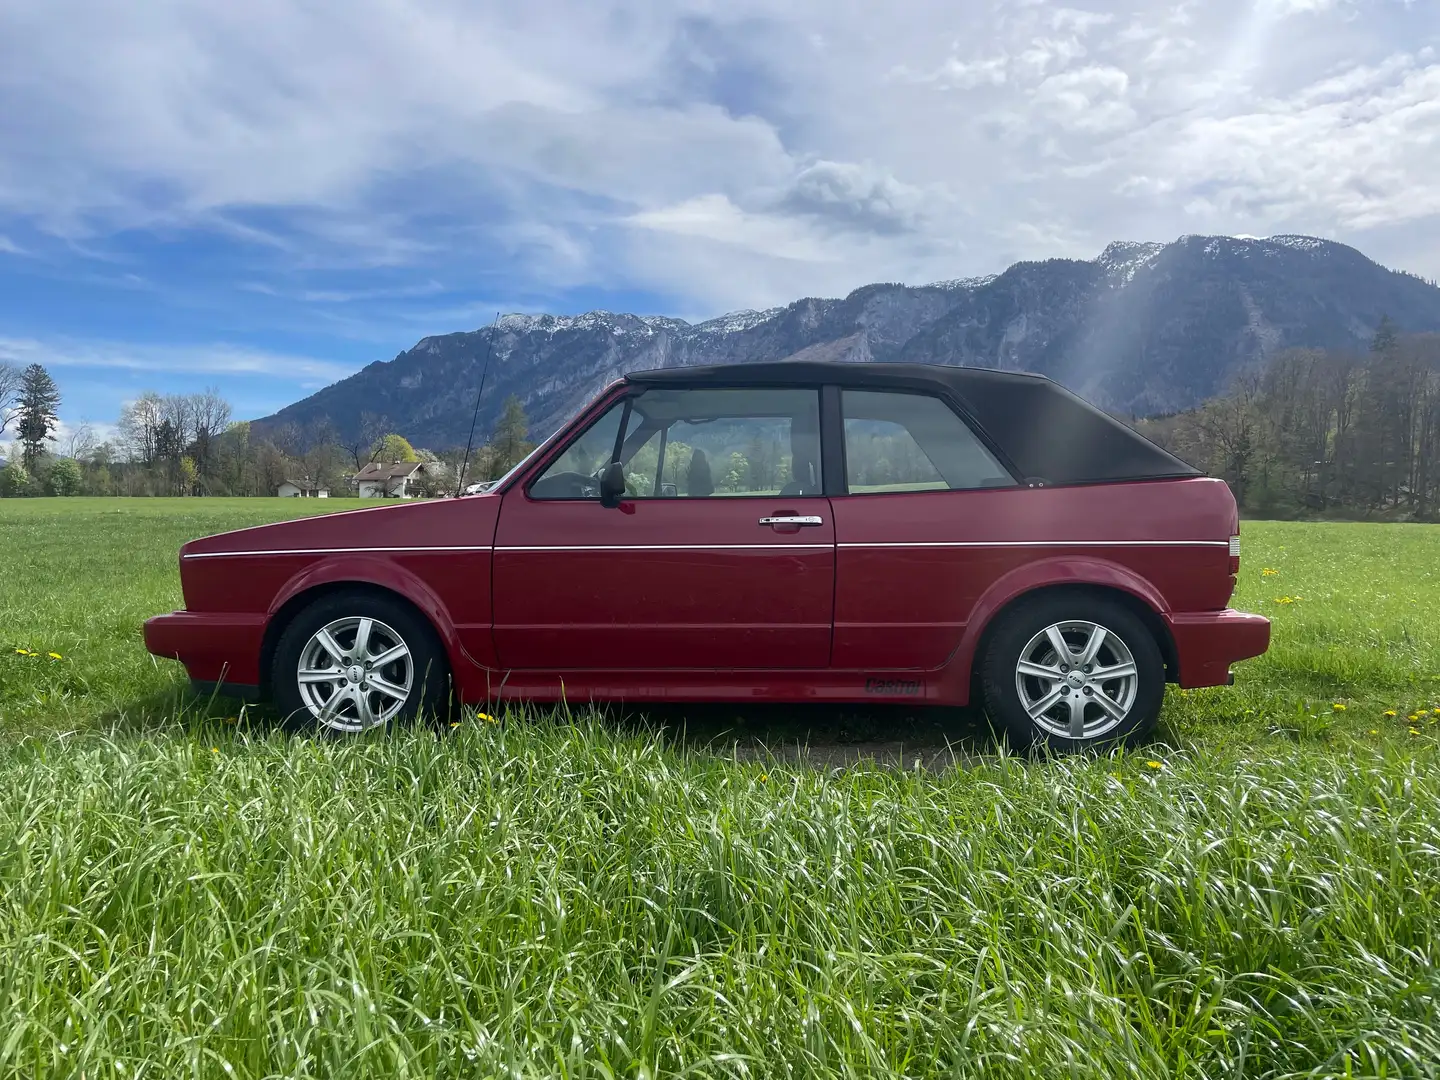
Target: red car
773	531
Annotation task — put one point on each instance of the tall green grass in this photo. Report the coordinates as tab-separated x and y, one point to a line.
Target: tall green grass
184	892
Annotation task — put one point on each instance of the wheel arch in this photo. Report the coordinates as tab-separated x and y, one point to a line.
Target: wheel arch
1144	608
296	599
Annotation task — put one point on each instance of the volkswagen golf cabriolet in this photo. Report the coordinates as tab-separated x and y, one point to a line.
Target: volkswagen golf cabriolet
792	531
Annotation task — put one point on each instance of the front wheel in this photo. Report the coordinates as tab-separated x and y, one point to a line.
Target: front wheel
354	661
1073	673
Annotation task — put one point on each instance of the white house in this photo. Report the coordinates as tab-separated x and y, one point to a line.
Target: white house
303	488
396	480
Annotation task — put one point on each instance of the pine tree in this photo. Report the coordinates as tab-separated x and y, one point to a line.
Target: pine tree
508	443
39	400
1385	340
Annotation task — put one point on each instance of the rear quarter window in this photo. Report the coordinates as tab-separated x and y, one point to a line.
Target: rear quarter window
912	442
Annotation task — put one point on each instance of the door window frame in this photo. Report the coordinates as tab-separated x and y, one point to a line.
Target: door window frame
625	396
834	474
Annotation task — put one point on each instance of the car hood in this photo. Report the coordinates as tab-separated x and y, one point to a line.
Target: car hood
468	521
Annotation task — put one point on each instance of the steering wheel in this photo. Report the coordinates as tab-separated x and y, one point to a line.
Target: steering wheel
567	485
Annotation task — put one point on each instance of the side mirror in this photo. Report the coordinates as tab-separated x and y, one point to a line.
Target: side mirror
612	485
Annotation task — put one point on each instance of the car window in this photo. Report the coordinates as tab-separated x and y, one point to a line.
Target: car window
701	443
706	443
575	474
912	442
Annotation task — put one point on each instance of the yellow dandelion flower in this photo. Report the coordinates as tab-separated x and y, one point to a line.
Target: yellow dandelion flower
1414	731
1436	711
214	749
55	656
1339	706
1413	717
764	777
455	724
486	718
1389	712
23	652
1154	765
1374	731
1268	572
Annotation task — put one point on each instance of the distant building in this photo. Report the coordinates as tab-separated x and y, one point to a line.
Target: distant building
396	480
304	488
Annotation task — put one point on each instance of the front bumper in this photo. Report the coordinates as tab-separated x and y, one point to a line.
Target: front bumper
220	652
1208	642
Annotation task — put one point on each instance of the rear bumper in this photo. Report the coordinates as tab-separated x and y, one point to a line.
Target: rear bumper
1208	642
220	652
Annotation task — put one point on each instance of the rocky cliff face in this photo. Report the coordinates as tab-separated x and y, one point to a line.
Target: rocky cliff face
1144	328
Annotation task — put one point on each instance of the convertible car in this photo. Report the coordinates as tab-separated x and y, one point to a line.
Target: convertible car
793	531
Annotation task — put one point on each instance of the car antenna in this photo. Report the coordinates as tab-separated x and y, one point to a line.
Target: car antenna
484	370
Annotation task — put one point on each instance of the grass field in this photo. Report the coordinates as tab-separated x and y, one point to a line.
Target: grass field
185	893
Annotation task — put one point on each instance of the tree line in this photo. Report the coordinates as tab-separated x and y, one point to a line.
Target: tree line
1312	432
189	444
1324	432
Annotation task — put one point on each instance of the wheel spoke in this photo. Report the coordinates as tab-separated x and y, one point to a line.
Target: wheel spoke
332	707
1110	705
1044	705
362	639
1063	655
1038	671
389	656
1077	716
330	645
320	675
368	719
1116	671
389	689
1092	646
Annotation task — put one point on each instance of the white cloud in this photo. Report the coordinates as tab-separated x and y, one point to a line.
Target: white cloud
216	359
715	218
1300	7
1090	99
712	152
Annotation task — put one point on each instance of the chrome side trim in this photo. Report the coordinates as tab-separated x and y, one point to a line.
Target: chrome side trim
717	547
669	547
1034	543
326	551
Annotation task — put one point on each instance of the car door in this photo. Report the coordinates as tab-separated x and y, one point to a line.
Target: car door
721	556
918	485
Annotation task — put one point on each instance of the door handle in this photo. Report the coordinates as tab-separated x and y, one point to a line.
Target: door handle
805	519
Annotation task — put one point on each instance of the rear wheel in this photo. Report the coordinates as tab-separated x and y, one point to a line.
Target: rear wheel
354	661
1073	673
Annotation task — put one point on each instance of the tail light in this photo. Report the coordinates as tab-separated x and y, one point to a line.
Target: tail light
1234	555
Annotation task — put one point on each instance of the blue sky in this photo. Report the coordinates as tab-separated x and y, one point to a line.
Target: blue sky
266	197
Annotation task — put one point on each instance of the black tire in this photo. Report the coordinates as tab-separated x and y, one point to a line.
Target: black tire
429	682
1025	628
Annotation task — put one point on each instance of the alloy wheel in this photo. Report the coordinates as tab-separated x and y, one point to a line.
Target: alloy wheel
1077	680
354	674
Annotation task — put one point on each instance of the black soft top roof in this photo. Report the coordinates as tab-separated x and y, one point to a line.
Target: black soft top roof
1041	430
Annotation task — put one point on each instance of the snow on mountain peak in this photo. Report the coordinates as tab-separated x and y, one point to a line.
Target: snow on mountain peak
1123	258
954	284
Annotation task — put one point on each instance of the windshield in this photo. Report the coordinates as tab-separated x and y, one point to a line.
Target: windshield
492	485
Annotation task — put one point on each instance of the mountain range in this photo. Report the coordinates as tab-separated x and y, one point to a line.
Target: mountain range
1145	328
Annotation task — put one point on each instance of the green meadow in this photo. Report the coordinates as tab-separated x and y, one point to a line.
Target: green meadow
185	892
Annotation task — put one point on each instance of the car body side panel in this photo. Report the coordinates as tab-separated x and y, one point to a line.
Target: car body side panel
435	554
919	574
663	583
